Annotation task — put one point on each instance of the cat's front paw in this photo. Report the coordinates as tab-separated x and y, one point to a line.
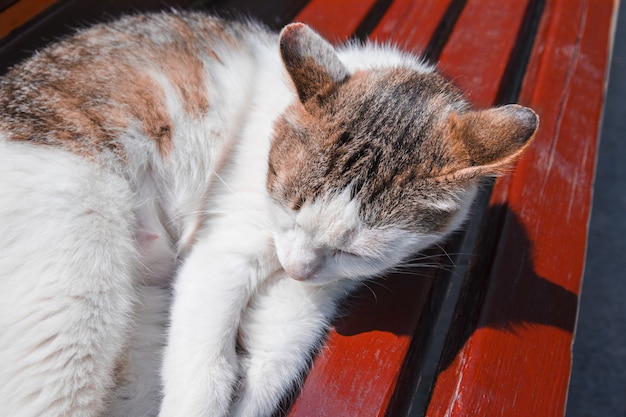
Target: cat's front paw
268	378
198	388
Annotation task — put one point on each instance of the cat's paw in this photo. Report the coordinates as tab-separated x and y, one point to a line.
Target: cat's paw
198	388
268	379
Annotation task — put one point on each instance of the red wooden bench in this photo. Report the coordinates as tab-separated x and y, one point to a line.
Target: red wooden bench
487	331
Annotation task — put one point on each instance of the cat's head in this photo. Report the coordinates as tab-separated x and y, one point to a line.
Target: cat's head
368	166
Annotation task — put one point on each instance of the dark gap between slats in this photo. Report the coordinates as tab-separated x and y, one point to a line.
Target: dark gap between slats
412	382
475	282
369	22
5	4
491	222
481	239
511	82
443	31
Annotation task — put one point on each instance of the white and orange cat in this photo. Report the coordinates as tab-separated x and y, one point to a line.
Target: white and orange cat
185	201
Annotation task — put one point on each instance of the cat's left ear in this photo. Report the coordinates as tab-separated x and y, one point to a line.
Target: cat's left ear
494	138
310	60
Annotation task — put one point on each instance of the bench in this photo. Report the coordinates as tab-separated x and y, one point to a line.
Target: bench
485	326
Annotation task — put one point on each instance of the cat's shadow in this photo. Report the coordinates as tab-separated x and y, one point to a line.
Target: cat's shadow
508	298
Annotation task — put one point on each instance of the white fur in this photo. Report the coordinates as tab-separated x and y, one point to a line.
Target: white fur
87	249
67	265
372	56
325	241
138	391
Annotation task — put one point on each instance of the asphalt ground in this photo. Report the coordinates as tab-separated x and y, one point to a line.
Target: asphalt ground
598	384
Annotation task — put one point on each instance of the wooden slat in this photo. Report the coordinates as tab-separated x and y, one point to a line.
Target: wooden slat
517	361
357	372
478	49
4	4
21	12
371	350
425	18
337	21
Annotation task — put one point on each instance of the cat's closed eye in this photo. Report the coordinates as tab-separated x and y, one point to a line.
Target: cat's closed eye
343	252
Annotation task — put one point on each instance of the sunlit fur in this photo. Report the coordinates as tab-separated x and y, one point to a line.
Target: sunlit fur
325	240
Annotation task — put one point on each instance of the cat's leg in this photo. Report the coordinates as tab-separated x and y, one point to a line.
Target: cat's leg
66	284
138	388
212	288
280	330
138	391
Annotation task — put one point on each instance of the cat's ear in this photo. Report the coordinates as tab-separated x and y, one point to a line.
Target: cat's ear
494	138
310	60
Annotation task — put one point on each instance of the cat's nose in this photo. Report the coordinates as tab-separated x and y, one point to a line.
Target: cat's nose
303	271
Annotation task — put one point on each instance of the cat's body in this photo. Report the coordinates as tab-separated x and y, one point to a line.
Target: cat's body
260	183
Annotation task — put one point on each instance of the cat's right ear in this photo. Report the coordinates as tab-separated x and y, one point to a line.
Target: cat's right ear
311	61
494	138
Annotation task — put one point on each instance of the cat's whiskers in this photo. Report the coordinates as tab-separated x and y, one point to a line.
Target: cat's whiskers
417	268
415	273
380	282
412	267
227	186
448	257
441	261
445	252
371	290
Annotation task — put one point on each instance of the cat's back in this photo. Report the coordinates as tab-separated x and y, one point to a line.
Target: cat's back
142	75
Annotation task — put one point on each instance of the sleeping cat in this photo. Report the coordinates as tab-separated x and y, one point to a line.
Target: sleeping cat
250	179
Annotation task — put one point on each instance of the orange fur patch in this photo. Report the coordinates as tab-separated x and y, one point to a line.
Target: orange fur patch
85	91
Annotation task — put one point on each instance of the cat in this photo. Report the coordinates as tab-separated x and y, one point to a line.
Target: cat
186	201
